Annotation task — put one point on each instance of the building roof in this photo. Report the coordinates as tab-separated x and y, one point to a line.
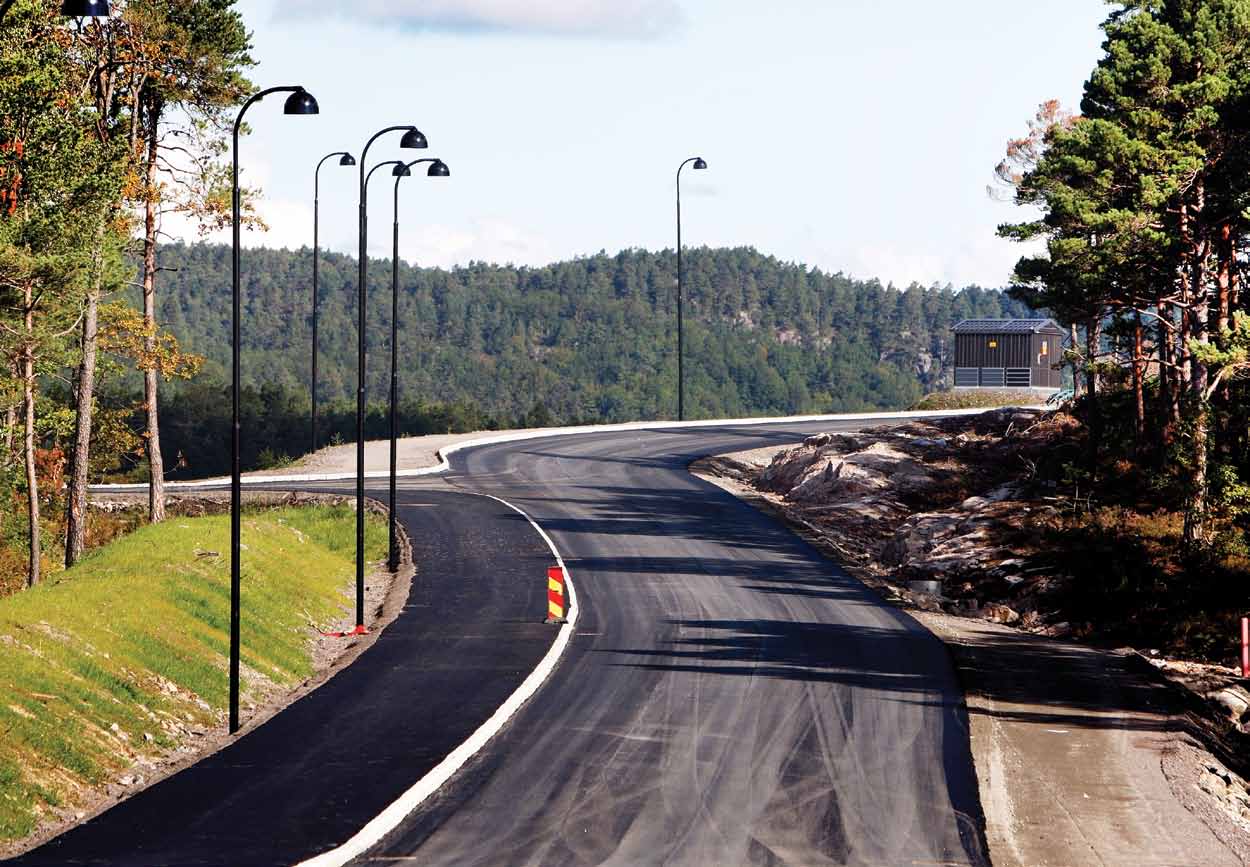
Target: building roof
1006	326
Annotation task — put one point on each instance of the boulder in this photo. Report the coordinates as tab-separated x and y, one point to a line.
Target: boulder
1234	702
998	613
917	538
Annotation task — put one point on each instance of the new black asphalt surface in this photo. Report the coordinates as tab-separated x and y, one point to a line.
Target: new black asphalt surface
729	698
318	771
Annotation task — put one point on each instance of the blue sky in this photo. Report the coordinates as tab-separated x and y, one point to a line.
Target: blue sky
846	134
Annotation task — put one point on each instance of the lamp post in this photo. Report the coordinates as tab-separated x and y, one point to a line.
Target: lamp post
85	8
681	334
345	159
299	102
437	169
412	138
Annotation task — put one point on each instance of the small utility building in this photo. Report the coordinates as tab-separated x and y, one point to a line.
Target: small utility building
1007	353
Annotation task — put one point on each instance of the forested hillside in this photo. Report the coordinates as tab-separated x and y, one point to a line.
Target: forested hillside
586	340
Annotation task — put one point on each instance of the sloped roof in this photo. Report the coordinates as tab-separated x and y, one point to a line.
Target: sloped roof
1006	326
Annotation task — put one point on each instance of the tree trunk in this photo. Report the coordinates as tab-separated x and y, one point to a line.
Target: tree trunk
10	426
1093	338
1076	367
1224	278
1195	531
1169	389
1198	317
151	374
28	442
1139	392
84	405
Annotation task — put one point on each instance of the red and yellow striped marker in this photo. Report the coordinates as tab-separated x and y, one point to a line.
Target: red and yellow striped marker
555	594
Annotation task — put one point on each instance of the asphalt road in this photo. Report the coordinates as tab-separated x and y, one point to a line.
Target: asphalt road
730	697
318	771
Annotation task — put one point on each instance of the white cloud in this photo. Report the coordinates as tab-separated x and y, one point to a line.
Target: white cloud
289	222
618	19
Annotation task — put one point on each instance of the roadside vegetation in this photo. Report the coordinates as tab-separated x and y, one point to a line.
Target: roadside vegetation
122	659
978	399
1144	204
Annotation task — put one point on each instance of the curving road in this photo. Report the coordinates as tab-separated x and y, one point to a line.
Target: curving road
730	697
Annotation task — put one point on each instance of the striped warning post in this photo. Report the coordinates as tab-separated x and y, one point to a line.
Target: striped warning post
555	594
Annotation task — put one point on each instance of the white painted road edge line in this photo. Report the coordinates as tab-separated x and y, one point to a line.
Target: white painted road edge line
389	819
442	465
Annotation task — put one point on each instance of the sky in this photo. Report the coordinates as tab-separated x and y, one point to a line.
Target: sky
849	135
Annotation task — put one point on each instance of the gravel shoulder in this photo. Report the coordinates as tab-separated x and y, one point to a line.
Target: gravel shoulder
1083	755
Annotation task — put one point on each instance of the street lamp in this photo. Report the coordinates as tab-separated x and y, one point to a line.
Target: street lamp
300	101
437	169
412	138
345	159
85	8
681	335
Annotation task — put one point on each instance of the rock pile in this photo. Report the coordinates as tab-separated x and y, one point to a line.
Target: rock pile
931	502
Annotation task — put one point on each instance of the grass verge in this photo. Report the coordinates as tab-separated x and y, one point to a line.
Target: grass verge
123	657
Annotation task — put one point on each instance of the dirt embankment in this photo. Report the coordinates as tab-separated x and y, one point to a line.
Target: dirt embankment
958	520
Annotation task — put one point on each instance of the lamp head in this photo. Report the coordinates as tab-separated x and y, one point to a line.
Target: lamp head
347	160
300	102
700	164
400	171
85	8
414	138
438	169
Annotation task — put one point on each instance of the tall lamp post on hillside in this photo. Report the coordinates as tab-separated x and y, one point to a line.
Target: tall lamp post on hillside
681	332
412	138
437	169
345	159
300	101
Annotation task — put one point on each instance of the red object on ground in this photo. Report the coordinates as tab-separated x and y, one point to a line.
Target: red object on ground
359	630
1245	647
555	594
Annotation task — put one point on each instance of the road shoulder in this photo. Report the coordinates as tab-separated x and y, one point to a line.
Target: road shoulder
468	632
1070	743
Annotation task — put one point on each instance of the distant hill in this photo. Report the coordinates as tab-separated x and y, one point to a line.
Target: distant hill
588	339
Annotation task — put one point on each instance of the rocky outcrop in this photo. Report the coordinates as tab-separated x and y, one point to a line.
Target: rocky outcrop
931	502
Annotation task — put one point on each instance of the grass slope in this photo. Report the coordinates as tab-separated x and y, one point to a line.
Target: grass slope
124	656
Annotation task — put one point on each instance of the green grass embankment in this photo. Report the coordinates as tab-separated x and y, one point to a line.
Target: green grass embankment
120	657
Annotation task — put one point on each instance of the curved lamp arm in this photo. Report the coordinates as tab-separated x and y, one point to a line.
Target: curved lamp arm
257	97
365	152
684	164
406	172
317	173
380	165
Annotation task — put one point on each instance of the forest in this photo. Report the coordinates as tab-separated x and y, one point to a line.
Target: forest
585	341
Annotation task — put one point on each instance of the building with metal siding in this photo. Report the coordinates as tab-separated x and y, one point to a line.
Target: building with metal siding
1008	353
